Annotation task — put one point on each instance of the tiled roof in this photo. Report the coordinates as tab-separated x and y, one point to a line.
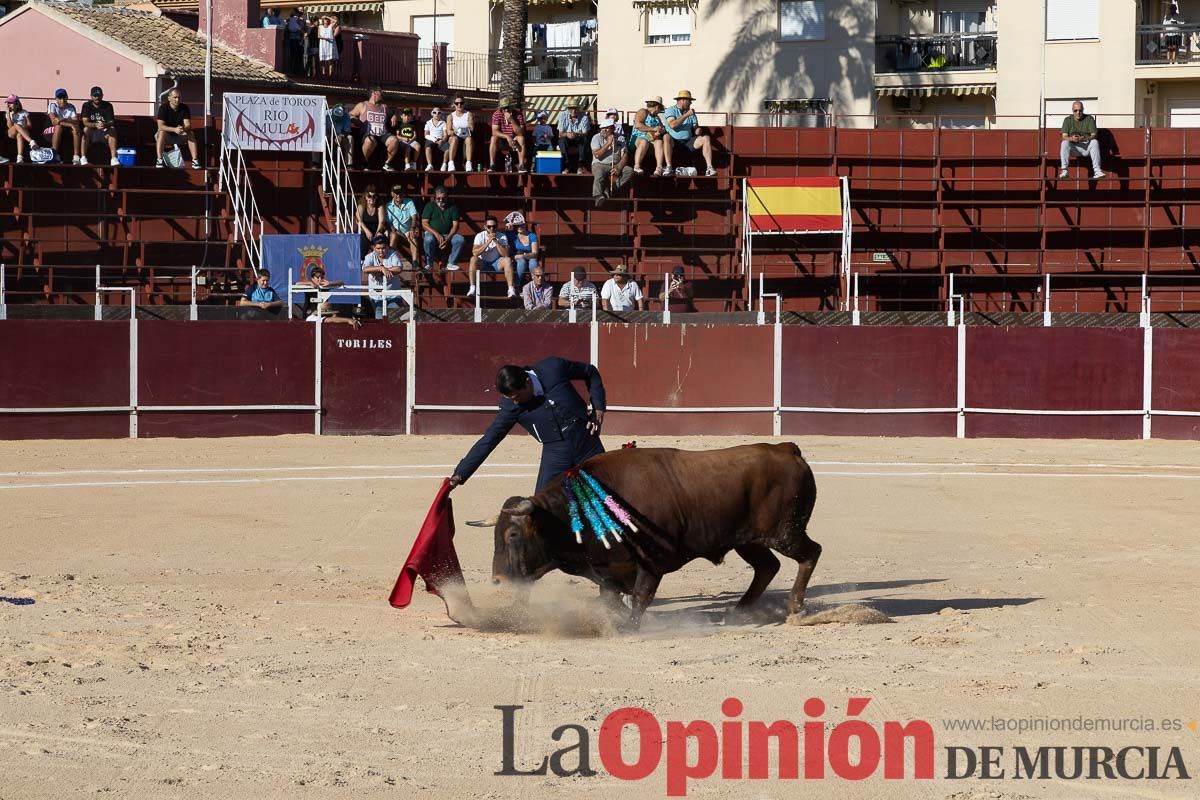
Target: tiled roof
179	50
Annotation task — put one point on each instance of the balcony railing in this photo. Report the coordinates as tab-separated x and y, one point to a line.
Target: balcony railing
463	70
1166	44
940	52
555	64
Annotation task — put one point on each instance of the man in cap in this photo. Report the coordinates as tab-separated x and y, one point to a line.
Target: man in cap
678	295
99	124
610	163
543	134
683	131
618	126
64	116
574	125
508	126
578	292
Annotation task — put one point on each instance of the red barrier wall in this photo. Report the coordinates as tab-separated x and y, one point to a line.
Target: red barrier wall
457	363
63	364
1175	383
840	367
363	379
687	366
1054	369
224	363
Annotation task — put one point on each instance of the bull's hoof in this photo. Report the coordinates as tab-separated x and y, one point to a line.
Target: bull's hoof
630	625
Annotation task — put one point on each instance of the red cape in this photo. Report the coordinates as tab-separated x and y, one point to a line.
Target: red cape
433	557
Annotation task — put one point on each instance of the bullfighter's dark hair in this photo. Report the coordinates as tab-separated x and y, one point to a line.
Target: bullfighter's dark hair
510	378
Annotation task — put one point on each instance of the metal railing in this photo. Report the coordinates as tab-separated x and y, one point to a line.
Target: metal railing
555	64
940	52
247	221
335	180
463	70
1167	44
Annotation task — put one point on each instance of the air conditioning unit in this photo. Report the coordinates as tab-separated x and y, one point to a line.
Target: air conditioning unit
906	103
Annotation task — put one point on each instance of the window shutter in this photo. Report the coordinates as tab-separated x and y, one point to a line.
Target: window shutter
1072	19
802	20
668	22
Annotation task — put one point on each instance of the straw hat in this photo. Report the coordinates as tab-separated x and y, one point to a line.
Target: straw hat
656	98
684	94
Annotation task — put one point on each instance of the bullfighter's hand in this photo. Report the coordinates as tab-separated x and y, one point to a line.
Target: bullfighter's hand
456	480
595	423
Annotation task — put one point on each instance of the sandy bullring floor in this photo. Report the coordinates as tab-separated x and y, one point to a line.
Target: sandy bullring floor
209	618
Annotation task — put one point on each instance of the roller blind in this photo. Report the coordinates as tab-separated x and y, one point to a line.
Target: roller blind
1072	19
664	25
801	20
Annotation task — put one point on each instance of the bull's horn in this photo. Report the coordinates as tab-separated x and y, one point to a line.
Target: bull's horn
522	508
483	523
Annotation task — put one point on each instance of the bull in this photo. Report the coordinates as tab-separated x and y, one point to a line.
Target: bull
751	499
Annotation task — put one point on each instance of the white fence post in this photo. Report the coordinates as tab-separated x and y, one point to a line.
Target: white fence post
666	317
3	291
855	315
479	298
194	312
1046	302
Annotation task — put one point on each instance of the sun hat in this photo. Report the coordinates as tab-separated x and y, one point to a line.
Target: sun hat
620	269
684	94
654	98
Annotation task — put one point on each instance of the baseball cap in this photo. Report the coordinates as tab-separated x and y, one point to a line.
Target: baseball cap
572	104
579	272
406	110
60	92
607	123
12	98
612	112
677	271
95	91
543	115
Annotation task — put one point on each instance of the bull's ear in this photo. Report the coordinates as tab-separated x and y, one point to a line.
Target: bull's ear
518	506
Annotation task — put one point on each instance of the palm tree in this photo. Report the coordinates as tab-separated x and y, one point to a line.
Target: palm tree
512	51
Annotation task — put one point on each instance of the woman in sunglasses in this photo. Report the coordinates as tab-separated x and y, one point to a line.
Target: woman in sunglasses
370	216
462	123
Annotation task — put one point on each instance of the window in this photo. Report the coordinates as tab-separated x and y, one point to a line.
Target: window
424	27
962	22
668	26
1072	19
801	20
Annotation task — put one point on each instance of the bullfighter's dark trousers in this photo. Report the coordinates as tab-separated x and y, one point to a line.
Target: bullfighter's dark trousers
558	457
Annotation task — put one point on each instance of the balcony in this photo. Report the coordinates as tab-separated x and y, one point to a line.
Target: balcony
555	64
941	52
1155	43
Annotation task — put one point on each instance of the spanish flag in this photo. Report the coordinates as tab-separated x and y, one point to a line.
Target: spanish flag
794	204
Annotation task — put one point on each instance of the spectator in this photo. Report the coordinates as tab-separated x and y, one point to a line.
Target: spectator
402	218
685	133
272	19
260	294
405	133
574	129
543	134
1172	37
175	128
462	128
522	244
370	216
440	220
99	124
64	116
578	292
435	139
1079	137
647	134
508	126
18	126
677	296
342	130
327	48
316	280
489	252
610	163
372	116
618	126
381	267
295	42
621	293
312	46
538	293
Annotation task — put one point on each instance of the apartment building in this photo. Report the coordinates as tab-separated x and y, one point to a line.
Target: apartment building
895	63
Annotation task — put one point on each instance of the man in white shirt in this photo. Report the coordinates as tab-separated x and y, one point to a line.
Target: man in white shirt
578	292
63	115
621	293
489	252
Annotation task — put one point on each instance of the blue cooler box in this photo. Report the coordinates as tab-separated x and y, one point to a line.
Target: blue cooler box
548	162
126	156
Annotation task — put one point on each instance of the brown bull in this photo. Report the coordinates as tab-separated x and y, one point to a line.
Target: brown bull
687	504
